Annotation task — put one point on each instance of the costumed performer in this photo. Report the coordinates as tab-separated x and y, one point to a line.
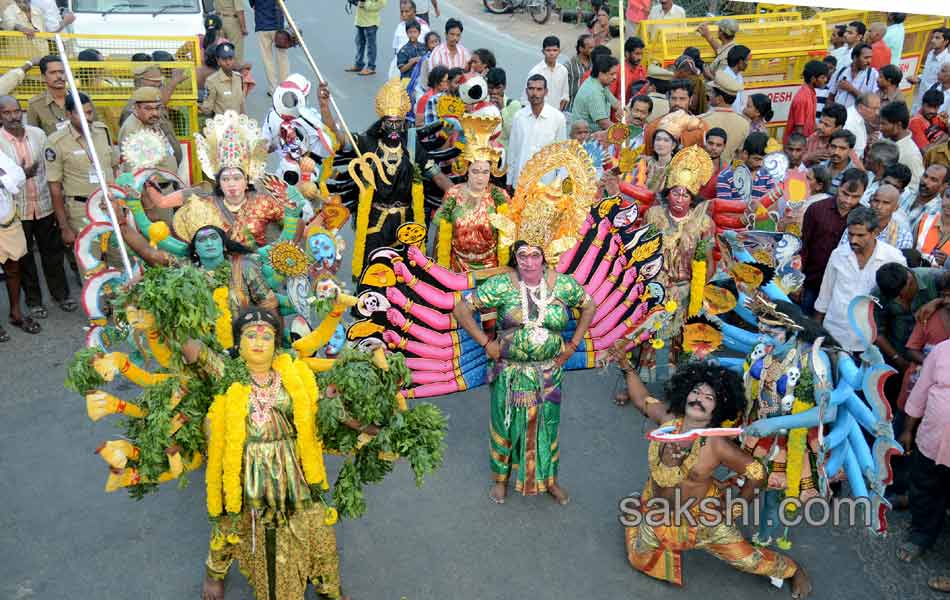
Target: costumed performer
266	474
388	189
467	241
698	396
687	232
233	153
533	303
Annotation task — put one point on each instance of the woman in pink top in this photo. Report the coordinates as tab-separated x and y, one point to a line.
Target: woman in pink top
928	428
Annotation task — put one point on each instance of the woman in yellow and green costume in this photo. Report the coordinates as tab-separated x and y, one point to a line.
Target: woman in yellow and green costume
467	240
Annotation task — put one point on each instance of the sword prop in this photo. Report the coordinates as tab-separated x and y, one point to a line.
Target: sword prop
87	134
669	434
365	161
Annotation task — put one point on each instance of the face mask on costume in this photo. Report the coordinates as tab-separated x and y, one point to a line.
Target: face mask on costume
335	345
392	131
679	199
773	336
322	248
209	245
370	302
257	346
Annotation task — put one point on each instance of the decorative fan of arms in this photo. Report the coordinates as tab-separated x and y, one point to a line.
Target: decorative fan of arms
405	301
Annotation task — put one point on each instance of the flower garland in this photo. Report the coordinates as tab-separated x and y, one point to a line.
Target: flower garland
222	325
536	330
217	426
418	204
501	208
301	385
235	434
697	283
362	224
444	246
796	450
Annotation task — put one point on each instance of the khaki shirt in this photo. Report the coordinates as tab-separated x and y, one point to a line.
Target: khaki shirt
661	106
224	93
68	162
735	125
43	112
228	8
132	124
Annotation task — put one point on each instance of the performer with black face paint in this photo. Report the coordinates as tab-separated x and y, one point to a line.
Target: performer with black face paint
394	194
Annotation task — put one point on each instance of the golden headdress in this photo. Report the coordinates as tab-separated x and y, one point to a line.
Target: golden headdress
550	215
232	141
690	168
196	213
392	99
478	130
768	312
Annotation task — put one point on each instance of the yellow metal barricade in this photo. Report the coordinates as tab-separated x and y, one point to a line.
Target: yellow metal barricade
650	31
109	83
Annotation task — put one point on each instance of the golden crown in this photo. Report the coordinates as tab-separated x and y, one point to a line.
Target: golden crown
478	131
691	168
550	215
196	213
392	99
232	141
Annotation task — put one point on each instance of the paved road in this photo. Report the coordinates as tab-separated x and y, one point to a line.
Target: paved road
64	538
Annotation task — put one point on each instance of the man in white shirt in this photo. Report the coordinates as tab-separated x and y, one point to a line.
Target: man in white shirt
938	55
535	126
851	272
862	117
857	78
737	61
853	35
665	9
407	13
12	243
894	121
422	9
559	89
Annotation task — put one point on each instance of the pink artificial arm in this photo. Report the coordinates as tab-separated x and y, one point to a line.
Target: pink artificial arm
614	298
607	285
434	389
568	257
598	277
613	317
587	261
457	282
397	342
435	297
432	318
423	334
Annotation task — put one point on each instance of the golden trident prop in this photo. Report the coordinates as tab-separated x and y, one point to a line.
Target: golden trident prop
364	160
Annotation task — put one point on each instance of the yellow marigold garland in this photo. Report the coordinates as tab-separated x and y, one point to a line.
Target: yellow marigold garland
443	251
326	167
217	426
222	325
795	452
235	433
418	203
362	224
301	385
697	283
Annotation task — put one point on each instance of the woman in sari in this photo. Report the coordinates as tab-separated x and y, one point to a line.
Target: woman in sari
467	240
652	170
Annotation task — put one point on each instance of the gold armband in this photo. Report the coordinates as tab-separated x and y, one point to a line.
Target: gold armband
651	400
754	470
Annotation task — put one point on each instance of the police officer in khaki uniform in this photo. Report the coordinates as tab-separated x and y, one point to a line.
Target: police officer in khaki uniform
47	110
69	169
225	86
151	76
723	90
233	25
147	114
659	80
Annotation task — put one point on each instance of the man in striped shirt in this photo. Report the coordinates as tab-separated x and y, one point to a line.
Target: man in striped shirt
451	53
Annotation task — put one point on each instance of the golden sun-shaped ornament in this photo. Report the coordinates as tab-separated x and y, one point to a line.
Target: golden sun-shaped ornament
289	260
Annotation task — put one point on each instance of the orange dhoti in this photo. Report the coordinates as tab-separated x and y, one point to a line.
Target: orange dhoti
655	550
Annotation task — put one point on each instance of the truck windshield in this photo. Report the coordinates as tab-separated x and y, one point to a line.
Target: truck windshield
135	6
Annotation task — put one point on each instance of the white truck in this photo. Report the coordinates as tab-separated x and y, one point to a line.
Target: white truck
135	18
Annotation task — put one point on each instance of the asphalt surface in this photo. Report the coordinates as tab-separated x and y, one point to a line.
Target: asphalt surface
63	537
